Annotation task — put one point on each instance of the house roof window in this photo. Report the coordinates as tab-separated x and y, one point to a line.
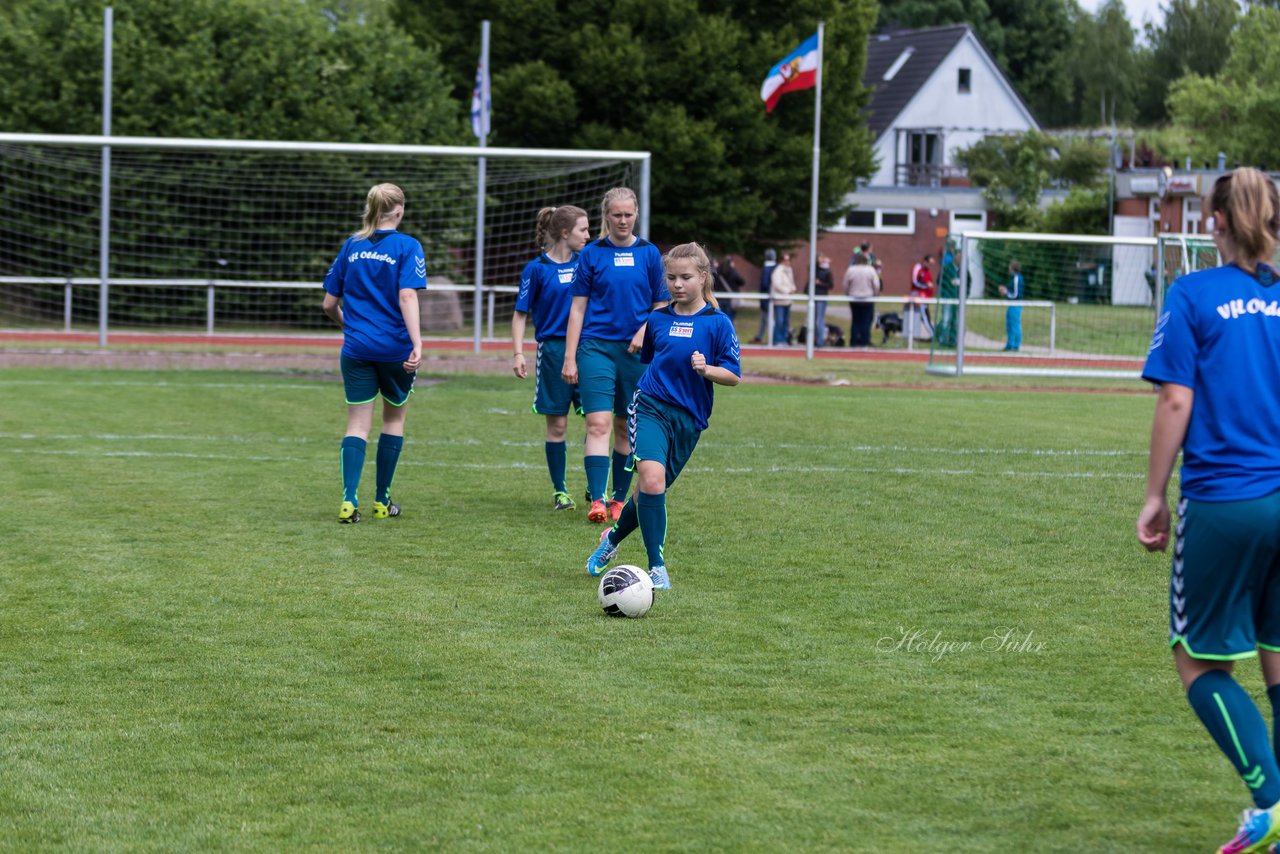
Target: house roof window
898	63
963	82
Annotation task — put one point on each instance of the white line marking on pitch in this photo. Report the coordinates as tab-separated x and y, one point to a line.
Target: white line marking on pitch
540	466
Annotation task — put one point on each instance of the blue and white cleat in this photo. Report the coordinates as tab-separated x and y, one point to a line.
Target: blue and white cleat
658	575
604	553
1258	830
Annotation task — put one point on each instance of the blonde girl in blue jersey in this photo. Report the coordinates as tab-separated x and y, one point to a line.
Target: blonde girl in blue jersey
544	294
1216	357
619	280
689	346
371	291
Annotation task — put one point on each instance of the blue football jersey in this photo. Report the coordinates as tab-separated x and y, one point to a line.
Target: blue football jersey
545	295
367	276
670	340
621	285
1219	335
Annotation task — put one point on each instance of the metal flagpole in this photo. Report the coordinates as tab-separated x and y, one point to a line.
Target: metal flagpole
104	223
813	208
480	183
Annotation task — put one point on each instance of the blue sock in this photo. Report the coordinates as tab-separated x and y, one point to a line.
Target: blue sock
556	462
388	455
621	477
651	510
597	476
352	464
1235	723
627	522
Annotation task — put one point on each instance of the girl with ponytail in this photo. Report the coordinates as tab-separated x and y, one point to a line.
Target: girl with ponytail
690	346
544	295
1216	357
371	291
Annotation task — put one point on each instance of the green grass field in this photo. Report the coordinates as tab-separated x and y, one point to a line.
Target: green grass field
903	619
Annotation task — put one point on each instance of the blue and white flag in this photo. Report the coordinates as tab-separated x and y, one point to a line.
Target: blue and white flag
480	104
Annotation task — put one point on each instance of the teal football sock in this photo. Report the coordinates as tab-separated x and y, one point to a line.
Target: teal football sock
556	457
1273	694
597	476
627	522
388	455
1235	723
352	464
621	477
651	510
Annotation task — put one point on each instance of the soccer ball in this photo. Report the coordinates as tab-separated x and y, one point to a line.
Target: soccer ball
626	591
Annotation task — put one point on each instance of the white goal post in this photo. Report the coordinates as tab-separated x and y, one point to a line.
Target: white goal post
1088	308
173	234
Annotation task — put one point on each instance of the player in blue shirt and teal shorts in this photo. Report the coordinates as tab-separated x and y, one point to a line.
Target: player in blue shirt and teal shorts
371	291
544	294
1216	357
689	346
618	282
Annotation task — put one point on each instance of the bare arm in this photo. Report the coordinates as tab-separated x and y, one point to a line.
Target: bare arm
1168	430
518	366
719	376
637	340
333	307
409	311
572	335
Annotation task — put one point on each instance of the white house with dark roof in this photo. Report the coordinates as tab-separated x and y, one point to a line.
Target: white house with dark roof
935	91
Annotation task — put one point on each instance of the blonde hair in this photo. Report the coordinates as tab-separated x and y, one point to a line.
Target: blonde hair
554	222
701	261
617	194
381	201
1248	202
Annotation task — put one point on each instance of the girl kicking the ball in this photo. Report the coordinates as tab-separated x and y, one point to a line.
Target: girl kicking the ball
690	346
544	293
371	291
1215	355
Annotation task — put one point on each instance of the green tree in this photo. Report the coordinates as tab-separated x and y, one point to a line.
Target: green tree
680	78
1104	66
1014	172
1237	110
223	68
1195	38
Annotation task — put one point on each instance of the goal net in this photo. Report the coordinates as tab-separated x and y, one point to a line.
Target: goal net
1087	308
225	236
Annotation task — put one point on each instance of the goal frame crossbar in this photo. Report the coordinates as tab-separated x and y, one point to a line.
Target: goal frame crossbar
104	142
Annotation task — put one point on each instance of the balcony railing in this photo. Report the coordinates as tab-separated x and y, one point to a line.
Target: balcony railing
930	175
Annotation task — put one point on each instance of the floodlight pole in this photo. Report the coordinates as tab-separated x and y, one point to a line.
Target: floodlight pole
104	222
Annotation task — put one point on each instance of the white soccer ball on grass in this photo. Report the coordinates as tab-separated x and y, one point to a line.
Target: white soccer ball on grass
626	591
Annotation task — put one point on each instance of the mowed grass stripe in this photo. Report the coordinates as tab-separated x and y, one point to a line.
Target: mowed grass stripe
194	655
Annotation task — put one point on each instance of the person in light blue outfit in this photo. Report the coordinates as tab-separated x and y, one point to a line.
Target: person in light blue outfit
1215	355
371	291
1013	314
617	283
690	347
545	295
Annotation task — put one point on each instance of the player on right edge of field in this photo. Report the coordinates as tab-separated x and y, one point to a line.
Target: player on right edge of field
1216	357
689	346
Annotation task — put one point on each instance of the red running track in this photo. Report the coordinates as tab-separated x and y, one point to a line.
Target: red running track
335	341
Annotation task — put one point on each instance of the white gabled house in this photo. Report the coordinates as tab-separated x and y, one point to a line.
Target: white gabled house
935	91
